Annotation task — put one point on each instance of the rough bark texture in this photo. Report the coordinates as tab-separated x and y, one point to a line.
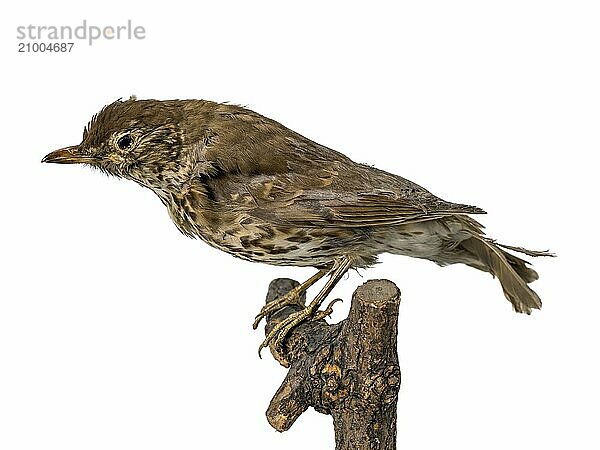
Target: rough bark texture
348	370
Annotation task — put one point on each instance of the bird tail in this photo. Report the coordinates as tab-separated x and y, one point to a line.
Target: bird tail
512	271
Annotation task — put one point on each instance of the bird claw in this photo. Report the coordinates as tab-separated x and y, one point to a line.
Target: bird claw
276	337
290	298
327	311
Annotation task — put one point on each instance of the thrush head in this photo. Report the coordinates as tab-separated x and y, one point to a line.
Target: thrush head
140	140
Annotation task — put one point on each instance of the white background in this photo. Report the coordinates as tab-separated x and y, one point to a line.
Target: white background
117	332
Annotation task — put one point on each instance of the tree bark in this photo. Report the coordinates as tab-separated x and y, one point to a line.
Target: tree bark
348	370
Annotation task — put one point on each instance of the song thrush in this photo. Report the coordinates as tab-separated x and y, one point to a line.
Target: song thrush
253	188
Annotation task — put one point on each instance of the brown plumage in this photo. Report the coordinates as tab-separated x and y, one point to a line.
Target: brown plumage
251	187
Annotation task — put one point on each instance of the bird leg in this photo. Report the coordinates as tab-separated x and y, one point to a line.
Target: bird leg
289	298
279	332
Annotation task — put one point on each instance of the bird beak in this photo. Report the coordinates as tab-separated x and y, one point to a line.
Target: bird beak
68	155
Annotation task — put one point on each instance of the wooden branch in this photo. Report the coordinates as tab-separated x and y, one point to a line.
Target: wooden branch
348	370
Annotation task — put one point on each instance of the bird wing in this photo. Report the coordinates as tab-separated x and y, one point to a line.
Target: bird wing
368	209
288	179
337	206
330	198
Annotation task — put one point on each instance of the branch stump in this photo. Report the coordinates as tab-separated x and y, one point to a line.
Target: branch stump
348	370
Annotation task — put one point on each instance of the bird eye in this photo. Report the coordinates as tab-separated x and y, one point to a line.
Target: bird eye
125	141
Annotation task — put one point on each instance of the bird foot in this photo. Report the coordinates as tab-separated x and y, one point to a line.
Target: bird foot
276	337
290	298
327	311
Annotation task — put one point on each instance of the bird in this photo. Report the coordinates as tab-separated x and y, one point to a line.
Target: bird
249	186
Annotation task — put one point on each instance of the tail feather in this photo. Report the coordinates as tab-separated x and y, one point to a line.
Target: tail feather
521	267
511	271
523	250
